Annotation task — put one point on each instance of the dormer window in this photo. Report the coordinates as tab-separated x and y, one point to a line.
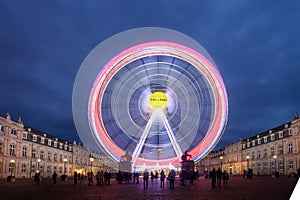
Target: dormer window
34	138
49	142
272	137
42	140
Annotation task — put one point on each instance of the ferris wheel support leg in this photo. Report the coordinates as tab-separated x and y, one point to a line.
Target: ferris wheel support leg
139	146
174	143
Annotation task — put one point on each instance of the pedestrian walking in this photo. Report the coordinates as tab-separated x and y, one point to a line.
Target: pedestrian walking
162	179
225	178
171	178
213	175
75	176
54	178
145	178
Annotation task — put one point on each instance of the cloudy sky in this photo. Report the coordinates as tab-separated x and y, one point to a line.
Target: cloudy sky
255	45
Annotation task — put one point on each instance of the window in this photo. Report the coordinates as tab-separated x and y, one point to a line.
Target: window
10	167
259	141
248	144
49	155
273	166
24	151
32	168
272	136
280	134
60	145
272	151
42	155
291	164
66	147
49	142
265	153
70	148
265	167
258	154
253	143
24	136
55	157
291	132
42	140
55	144
34	138
281	165
280	149
12	149
290	148
23	168
13	131
244	146
1	128
33	153
258	166
60	158
253	155
265	139
0	146
60	170
48	169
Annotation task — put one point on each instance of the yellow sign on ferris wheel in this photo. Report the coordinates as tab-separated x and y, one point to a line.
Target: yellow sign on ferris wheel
158	100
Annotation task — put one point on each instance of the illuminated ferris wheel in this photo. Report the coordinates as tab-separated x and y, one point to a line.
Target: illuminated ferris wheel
153	93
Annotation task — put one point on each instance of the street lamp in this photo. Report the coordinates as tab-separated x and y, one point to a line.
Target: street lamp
221	158
92	160
38	168
12	167
247	157
65	168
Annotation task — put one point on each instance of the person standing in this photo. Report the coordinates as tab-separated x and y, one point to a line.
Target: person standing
225	178
213	175
54	178
75	176
162	179
171	178
219	177
146	178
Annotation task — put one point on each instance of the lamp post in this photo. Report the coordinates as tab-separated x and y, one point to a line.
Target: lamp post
247	157
221	158
12	167
38	167
92	160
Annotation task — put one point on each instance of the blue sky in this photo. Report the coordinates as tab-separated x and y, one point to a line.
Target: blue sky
255	45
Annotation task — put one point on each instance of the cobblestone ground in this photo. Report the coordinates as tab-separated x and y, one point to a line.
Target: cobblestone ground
239	188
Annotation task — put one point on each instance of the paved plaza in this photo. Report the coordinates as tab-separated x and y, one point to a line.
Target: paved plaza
239	188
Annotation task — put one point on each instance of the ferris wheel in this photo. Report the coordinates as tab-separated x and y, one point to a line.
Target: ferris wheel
153	93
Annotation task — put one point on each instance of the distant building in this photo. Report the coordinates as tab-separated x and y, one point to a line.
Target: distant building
24	151
277	149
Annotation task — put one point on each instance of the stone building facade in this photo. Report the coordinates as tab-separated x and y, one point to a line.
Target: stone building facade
24	151
277	149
